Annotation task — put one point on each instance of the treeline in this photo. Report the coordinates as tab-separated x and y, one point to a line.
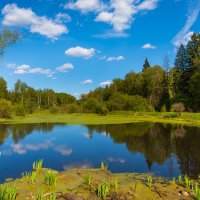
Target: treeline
156	88
24	99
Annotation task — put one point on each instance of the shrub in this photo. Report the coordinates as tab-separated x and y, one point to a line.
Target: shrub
73	108
91	106
19	110
178	107
5	109
54	110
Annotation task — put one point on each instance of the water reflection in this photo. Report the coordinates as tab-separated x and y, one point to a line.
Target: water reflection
163	149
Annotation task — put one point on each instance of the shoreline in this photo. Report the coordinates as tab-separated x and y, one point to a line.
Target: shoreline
189	119
85	184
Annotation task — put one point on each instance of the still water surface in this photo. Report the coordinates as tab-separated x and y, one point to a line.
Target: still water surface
161	149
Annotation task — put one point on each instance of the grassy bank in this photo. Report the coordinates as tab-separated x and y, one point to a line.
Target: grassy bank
111	118
96	184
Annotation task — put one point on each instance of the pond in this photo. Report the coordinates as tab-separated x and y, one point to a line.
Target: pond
161	149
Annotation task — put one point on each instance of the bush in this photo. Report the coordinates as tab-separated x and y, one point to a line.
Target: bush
102	110
73	108
54	110
20	110
178	107
5	109
91	106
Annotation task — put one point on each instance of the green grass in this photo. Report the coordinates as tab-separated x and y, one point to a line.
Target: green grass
50	178
37	165
8	192
111	118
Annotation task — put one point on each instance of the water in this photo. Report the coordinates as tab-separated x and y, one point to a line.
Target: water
161	149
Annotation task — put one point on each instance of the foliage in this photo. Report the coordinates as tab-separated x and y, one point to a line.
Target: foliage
87	180
5	109
103	190
178	107
37	165
19	110
150	181
50	178
8	192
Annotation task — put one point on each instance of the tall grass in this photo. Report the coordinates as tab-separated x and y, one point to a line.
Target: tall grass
87	180
30	176
149	181
103	190
50	178
8	192
37	165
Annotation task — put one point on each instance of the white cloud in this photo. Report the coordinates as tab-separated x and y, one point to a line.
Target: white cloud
25	17
186	38
148	5
183	34
106	83
89	81
63	17
80	52
65	68
119	14
84	5
48	72
63	150
118	58
26	69
149	46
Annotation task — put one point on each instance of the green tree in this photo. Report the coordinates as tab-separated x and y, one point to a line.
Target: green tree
3	88
5	109
146	65
7	38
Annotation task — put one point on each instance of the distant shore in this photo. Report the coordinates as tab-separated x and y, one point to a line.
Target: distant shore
192	119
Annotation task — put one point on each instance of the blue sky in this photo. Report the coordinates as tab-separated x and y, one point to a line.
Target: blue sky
75	46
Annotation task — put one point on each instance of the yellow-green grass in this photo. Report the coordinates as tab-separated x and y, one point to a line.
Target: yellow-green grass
70	185
111	118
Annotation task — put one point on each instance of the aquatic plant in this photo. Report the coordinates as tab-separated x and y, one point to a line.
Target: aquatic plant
8	192
187	181
180	178
116	183
103	190
87	180
103	166
37	165
50	178
197	192
150	181
30	176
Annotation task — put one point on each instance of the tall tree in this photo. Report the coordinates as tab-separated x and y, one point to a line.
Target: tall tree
146	65
3	88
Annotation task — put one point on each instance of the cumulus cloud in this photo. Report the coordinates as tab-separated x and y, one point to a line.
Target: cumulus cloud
185	33
63	17
65	68
89	81
148	46
118	58
106	83
25	17
27	69
80	52
84	5
120	14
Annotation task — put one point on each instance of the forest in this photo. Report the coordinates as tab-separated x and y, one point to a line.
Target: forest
155	88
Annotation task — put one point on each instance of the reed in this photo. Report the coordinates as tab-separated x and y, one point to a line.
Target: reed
30	176
37	165
150	181
87	180
103	167
103	190
50	178
8	192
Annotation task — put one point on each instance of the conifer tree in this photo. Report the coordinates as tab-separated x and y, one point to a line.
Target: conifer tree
146	65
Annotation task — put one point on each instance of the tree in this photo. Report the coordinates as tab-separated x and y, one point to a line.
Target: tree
7	38
5	109
146	65
3	88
